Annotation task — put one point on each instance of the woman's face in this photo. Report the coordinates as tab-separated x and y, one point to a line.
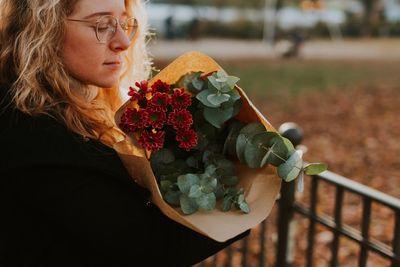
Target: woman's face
86	59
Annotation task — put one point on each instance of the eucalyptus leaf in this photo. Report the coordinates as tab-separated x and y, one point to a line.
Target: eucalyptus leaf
207	201
192	162
197	82
315	168
162	156
227	204
215	82
188	81
217	117
188	205
195	191
208	184
245	135
203	98
255	153
230	141
220	191
173	197
232	81
230	180
165	185
289	170
244	207
281	149
185	182
218	99
210	169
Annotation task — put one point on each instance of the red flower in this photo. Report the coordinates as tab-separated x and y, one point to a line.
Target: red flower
134	94
187	139
159	100
180	119
160	86
152	140
181	99
156	118
133	120
143	87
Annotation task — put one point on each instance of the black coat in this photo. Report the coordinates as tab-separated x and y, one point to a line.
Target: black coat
68	202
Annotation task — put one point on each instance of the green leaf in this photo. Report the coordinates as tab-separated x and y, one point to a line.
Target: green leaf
227	203
255	152
190	81
210	169
165	185
195	191
245	135
232	81
244	207
208	184
185	182
203	98
230	180
281	149
215	82
207	201
192	162
162	156
217	117
218	99
289	170
220	191
234	95
188	205
230	141
173	197
197	82
315	168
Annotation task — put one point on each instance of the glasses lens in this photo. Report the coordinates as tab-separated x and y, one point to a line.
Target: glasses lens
130	27
106	28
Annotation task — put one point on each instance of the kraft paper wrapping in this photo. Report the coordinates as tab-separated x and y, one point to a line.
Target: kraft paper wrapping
261	185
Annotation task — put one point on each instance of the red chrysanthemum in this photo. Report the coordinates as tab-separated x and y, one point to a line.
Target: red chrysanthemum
160	86
180	99
133	120
159	100
180	119
134	94
152	141
156	118
143	87
187	139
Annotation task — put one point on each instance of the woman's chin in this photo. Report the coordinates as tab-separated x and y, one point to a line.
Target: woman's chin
106	84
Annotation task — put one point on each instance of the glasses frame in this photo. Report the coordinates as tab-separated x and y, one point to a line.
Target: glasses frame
123	25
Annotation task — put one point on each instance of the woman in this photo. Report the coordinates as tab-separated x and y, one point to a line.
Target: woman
65	197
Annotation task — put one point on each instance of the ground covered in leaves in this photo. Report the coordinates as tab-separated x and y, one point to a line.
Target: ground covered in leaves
354	127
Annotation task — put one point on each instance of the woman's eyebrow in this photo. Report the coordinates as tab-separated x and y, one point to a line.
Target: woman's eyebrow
97	14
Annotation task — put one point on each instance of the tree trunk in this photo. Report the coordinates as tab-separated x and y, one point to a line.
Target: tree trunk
373	17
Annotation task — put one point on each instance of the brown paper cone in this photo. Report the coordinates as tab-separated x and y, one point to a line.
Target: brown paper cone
261	185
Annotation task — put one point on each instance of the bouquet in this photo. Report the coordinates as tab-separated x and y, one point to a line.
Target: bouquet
203	149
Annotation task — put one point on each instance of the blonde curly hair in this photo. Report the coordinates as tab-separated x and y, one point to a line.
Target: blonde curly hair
31	34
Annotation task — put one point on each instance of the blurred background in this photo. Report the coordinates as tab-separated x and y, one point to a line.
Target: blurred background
332	67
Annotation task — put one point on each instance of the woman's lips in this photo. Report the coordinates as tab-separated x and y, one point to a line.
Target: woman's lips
113	65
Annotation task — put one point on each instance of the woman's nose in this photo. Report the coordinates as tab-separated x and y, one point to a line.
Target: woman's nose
120	41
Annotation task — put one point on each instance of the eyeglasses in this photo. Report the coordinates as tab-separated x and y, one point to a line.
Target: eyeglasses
106	27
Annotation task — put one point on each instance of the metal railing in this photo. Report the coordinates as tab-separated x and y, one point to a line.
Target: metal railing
368	195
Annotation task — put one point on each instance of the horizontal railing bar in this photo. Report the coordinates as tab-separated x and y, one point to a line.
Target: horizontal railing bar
347	231
360	189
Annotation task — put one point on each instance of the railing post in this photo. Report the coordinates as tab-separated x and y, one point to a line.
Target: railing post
285	215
